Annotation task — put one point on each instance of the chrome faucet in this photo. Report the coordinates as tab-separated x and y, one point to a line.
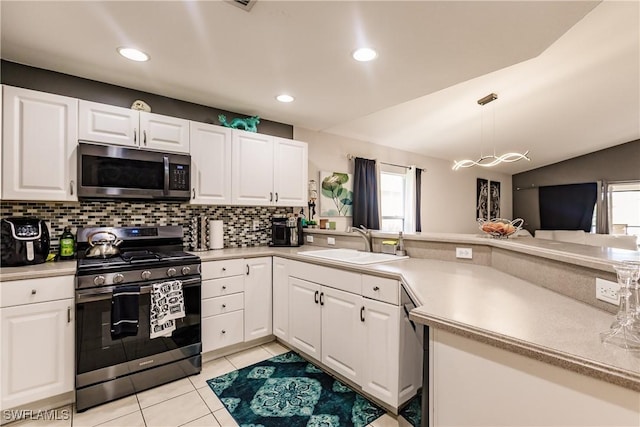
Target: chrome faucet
366	235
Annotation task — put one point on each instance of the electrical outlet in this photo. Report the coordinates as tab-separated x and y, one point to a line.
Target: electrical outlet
331	240
607	291
466	253
309	239
256	224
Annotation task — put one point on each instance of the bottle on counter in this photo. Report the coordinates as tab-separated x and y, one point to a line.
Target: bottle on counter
67	244
400	251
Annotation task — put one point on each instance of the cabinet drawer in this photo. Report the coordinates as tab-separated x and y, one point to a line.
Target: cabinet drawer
222	330
220	287
29	291
223	268
347	281
381	289
221	305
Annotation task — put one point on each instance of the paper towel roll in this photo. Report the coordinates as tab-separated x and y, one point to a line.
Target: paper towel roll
216	234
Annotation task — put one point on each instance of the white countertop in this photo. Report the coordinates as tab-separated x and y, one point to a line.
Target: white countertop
479	302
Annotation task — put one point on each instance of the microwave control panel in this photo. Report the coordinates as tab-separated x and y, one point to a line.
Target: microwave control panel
179	175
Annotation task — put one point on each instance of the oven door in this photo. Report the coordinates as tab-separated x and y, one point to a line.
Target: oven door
99	358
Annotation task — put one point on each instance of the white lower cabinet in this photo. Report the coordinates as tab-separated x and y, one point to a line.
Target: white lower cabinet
367	341
280	283
305	327
222	303
36	340
257	299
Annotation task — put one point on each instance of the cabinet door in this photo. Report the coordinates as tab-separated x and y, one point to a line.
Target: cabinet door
252	181
210	148
381	350
36	352
280	299
342	332
257	298
164	133
40	136
108	124
304	317
290	172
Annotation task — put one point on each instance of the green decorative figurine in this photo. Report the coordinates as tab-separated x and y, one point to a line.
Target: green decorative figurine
249	124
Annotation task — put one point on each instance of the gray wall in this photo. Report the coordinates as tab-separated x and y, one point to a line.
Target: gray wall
619	163
23	76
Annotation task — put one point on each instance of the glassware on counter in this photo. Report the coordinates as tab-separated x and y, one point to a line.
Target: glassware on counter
625	329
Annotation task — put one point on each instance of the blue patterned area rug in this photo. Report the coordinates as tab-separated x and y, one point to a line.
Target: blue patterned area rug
287	390
412	411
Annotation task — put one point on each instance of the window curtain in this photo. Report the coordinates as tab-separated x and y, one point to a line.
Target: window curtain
418	198
567	207
410	200
366	210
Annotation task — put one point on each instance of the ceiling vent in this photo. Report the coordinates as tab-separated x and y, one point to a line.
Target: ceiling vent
243	4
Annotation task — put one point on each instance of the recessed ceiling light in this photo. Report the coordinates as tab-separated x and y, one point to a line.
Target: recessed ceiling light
365	54
285	98
133	54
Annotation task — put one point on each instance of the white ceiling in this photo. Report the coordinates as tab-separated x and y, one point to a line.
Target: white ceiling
566	73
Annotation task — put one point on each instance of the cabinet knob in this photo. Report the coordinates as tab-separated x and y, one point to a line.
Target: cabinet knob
33	291
224	332
224	268
224	305
376	288
224	287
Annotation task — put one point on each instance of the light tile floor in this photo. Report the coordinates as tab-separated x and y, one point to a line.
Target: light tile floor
186	402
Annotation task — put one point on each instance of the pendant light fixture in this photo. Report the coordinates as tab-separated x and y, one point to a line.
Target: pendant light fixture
492	160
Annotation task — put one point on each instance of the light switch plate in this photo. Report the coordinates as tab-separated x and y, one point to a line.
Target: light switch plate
465	253
309	239
331	240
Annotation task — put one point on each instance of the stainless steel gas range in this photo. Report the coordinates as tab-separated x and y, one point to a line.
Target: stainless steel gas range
148	264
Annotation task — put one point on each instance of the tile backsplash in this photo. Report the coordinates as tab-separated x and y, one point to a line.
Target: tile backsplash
238	220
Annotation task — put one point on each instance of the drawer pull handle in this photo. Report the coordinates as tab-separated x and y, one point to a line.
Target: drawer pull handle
224	287
224	305
315	296
33	291
362	314
376	288
224	268
224	332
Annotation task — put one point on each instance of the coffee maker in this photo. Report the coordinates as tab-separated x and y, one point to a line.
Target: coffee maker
286	231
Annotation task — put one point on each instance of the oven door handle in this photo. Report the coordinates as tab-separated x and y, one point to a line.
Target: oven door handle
89	295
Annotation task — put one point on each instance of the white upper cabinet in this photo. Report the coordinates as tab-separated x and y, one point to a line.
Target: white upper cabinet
290	174
108	124
252	182
210	148
39	146
268	170
123	126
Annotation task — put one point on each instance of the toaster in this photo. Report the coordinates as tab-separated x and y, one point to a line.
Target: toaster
23	241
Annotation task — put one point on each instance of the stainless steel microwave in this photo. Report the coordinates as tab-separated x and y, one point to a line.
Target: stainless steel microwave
112	172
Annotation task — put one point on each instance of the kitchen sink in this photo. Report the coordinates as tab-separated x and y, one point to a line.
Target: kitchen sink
351	256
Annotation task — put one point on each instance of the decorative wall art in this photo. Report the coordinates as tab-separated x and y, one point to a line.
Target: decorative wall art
487	199
336	193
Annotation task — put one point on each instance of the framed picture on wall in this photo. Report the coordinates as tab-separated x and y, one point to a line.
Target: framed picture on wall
482	199
336	194
494	199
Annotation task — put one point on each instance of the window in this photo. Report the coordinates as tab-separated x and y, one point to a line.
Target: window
392	201
624	208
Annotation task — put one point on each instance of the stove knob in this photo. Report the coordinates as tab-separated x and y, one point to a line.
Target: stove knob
145	274
171	272
118	278
98	280
186	270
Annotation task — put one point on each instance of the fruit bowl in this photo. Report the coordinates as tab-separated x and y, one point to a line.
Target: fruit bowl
500	227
